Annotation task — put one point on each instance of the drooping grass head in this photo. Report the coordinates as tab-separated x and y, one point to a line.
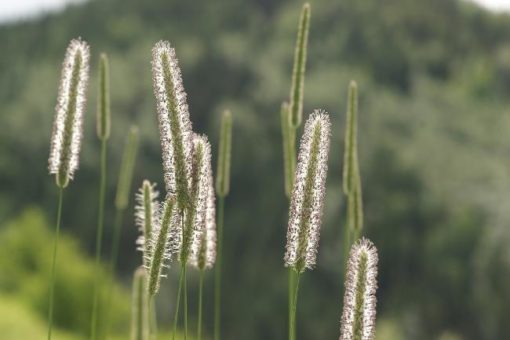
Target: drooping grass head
174	122
308	193
68	123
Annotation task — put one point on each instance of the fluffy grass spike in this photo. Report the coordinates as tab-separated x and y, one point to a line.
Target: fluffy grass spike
165	241
199	193
174	122
103	101
298	71
140	306
205	257
359	311
223	173
308	193
351	167
68	123
147	216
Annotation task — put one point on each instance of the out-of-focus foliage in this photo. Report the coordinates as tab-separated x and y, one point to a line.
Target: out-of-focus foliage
26	245
434	79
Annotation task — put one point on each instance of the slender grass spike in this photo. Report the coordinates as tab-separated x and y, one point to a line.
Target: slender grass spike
67	132
174	122
126	169
196	214
206	255
165	241
140	306
103	120
223	174
308	193
147	215
298	71
359	311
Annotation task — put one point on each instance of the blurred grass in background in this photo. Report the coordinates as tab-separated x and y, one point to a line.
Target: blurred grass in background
434	79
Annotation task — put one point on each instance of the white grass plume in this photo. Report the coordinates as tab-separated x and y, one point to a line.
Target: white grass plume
308	193
68	122
206	255
359	311
174	121
201	182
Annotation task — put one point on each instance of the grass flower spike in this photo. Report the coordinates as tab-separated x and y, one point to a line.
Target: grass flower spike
67	126
223	175
174	122
206	255
358	317
146	217
351	174
308	193
103	122
126	169
298	72
166	238
140	306
201	182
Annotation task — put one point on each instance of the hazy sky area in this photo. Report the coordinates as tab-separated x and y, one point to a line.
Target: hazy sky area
12	10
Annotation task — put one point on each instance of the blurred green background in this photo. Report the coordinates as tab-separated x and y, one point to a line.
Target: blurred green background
434	80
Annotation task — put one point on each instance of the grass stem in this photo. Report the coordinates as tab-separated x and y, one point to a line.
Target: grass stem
292	329
217	273
99	240
200	300
177	303
54	262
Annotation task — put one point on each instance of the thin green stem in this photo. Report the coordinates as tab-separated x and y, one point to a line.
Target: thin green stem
185	304
153	325
54	262
217	273
111	268
176	316
200	300
292	164
99	240
292	329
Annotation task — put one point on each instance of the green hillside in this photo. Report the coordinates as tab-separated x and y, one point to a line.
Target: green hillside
434	79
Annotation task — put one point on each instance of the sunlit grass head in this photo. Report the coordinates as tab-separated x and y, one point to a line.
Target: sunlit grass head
67	126
174	123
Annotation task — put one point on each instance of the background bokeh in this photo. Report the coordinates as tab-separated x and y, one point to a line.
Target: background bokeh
434	80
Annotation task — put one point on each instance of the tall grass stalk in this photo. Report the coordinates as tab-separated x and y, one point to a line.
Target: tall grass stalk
351	174
103	132
294	110
222	190
66	136
206	255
